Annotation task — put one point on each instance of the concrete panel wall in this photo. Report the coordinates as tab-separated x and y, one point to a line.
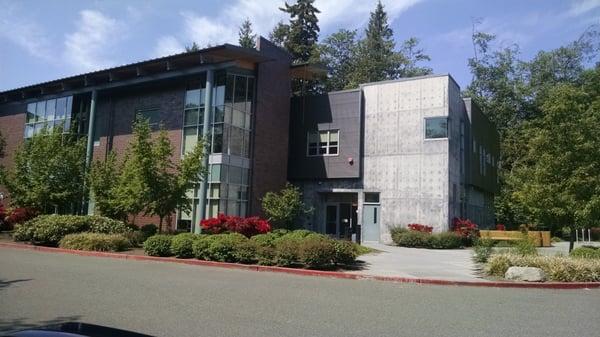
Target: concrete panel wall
409	171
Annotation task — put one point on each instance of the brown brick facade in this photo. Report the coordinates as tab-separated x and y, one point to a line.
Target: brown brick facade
12	127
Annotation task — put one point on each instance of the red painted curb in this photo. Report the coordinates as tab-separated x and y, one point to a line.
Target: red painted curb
319	273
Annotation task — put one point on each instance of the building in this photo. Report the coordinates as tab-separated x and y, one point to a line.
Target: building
393	153
388	153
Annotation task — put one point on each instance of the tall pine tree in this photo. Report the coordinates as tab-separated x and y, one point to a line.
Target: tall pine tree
376	59
246	37
303	30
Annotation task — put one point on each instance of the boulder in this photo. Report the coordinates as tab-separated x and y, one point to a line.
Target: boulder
529	274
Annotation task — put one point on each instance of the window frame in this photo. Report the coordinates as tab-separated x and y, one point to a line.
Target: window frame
328	145
426	119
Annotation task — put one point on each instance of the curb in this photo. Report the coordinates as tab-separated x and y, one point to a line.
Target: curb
318	273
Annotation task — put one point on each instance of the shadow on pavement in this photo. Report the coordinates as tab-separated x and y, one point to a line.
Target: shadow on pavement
8	283
14	324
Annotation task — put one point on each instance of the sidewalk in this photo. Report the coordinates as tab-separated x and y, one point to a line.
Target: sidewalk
448	264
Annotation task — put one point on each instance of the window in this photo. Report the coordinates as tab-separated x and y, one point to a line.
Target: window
372	197
49	113
436	127
323	143
151	114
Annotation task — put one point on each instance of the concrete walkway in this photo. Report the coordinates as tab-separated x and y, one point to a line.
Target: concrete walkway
450	264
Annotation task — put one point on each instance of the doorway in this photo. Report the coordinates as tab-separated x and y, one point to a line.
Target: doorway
341	219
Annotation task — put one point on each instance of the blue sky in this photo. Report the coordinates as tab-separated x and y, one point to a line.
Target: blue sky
46	40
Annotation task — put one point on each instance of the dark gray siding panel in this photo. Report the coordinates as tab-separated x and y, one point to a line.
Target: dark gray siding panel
334	111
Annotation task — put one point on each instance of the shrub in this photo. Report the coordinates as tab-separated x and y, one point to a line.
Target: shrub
265	255
95	241
556	239
420	228
158	245
50	229
101	224
397	233
200	246
466	229
286	250
182	245
445	240
316	251
223	247
149	230
246	251
482	250
586	252
525	246
18	215
556	268
136	238
265	239
246	226
345	252
415	239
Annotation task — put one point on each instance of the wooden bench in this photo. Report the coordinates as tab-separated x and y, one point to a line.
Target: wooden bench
540	238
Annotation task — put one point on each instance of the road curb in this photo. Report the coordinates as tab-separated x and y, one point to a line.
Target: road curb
307	272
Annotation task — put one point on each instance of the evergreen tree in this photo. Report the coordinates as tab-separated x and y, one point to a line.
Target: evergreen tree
338	53
246	38
193	47
303	31
279	34
376	59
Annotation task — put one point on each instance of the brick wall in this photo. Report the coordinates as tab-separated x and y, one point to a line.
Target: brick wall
12	127
271	124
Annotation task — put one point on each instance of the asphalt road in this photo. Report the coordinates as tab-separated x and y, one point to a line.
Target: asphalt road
163	299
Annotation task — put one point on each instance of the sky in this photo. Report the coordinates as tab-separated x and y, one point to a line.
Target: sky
46	40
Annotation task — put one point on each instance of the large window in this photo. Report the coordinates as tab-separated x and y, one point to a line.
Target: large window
49	113
436	127
323	143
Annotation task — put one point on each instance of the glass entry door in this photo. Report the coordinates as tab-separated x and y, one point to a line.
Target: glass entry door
340	218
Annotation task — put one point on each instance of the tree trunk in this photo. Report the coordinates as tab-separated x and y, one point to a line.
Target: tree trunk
160	222
572	240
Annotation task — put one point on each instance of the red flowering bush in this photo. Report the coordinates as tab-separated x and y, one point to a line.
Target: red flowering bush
226	223
17	216
467	229
420	228
2	217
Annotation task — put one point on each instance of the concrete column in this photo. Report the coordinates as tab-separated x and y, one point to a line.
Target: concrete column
208	108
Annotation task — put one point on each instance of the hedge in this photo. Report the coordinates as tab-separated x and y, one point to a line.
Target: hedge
95	241
556	268
158	245
586	252
48	230
182	245
421	239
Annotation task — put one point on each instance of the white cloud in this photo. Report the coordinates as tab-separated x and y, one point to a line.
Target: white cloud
89	47
24	32
583	7
265	14
167	45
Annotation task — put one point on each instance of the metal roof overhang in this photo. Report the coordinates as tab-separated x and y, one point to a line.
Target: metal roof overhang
183	64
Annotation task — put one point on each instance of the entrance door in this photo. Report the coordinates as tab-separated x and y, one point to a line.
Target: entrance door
370	223
331	219
340	217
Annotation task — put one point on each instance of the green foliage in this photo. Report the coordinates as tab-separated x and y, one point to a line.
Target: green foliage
201	244
345	252
182	245
222	247
284	208
338	52
396	232
482	250
586	252
50	229
95	242
192	48
136	238
525	246
316	251
102	180
302	32
158	245
149	229
48	172
287	250
556	239
445	240
246	38
246	251
414	239
556	268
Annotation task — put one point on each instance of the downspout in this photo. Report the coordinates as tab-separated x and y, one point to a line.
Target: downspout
90	141
208	108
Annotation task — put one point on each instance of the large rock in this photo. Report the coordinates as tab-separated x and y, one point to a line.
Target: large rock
529	274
